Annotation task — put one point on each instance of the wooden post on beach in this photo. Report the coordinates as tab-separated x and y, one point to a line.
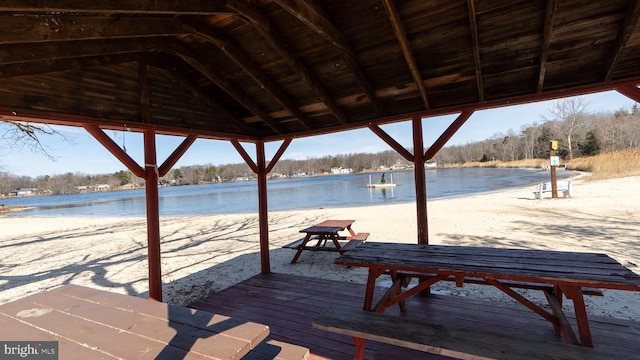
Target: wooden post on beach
552	168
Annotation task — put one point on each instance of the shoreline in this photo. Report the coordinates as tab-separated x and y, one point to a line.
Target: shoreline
11	208
207	253
111	202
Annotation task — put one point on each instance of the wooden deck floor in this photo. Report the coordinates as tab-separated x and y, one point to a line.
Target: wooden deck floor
288	304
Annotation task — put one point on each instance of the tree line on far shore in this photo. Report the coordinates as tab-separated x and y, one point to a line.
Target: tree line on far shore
579	133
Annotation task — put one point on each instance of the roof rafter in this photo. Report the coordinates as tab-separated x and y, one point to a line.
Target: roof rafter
236	55
473	23
261	25
176	77
45	66
249	13
191	58
168	7
144	92
40	29
69	51
316	21
401	36
61	50
624	34
549	18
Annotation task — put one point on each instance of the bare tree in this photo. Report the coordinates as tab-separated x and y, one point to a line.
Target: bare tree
21	135
528	136
8	182
571	114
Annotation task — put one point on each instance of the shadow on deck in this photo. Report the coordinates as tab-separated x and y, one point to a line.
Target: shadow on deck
289	304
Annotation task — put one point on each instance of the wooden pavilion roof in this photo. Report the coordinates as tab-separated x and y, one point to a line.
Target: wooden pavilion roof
262	70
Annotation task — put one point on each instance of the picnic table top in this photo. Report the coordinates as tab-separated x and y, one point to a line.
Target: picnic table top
95	324
339	223
537	266
328	226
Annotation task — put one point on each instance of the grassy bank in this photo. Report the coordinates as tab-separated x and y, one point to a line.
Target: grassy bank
604	166
611	165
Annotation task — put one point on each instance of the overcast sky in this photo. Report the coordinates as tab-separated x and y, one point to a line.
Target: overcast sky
86	155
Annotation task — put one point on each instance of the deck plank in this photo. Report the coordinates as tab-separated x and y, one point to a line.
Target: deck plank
288	304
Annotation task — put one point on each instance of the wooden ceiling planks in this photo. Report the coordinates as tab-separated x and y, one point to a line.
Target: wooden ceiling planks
273	69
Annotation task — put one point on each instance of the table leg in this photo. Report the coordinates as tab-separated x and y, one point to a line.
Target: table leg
557	291
393	291
371	287
336	243
403	282
351	232
581	318
562	323
304	243
360	347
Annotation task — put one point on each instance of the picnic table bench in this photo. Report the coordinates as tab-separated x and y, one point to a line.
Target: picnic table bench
439	338
563	186
352	243
327	232
512	284
556	273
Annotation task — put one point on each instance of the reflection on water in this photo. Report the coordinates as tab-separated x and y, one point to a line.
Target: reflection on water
381	192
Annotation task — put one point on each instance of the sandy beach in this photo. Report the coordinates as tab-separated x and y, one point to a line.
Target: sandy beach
205	254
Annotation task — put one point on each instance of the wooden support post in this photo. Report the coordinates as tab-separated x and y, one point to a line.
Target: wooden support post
153	216
150	173
419	158
420	181
421	187
265	263
261	169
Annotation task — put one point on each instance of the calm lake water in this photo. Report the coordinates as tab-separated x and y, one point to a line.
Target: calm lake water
285	194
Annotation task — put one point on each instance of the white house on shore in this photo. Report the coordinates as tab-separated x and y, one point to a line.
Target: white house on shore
86	188
341	170
24	192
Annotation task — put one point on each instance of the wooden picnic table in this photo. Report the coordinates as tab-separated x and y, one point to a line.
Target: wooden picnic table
328	230
94	324
556	272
